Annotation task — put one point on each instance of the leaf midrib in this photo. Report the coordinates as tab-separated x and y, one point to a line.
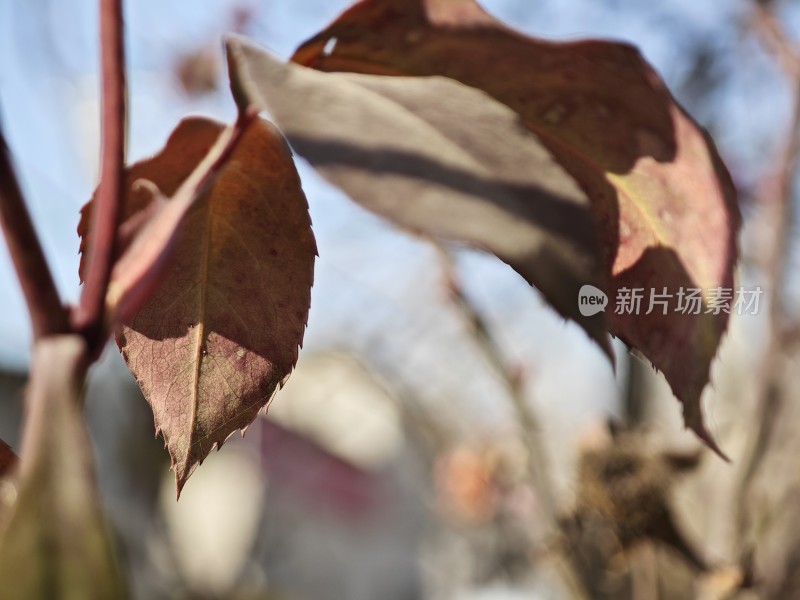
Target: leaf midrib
200	329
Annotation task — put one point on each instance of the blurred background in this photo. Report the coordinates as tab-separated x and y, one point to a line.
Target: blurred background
406	456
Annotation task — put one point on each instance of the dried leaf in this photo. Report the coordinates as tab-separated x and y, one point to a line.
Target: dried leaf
55	543
437	158
221	333
666	207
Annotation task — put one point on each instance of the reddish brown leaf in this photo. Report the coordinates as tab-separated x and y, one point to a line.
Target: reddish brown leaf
147	238
663	198
221	333
441	159
146	261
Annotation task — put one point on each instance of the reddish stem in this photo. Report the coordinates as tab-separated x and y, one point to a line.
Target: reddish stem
48	315
143	265
89	317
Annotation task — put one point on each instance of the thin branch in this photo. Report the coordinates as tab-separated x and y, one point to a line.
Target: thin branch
769	30
89	316
48	314
529	421
782	209
514	383
780	219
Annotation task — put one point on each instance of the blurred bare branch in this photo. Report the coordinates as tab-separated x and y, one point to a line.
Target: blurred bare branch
528	419
779	208
48	315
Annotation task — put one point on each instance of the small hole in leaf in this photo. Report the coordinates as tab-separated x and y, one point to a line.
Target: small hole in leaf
327	50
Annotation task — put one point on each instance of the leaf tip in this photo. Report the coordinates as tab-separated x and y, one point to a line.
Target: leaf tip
694	421
233	49
181	477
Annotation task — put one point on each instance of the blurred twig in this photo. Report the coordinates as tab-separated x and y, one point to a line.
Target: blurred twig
48	315
512	378
782	208
768	28
529	421
780	217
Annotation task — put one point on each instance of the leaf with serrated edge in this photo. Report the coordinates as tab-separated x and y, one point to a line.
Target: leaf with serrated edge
440	159
666	207
221	333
